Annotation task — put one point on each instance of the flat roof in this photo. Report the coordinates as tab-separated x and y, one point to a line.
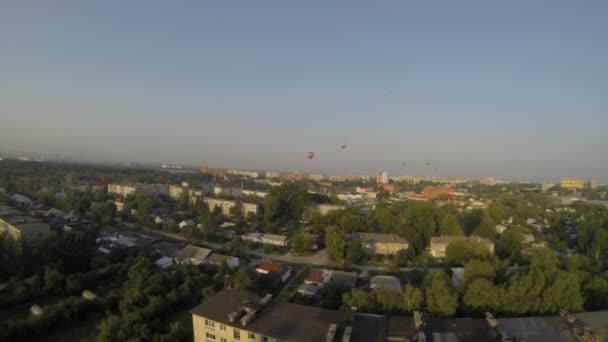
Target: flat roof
537	329
291	322
378	237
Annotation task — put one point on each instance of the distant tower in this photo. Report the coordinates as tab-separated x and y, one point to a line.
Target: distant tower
382	177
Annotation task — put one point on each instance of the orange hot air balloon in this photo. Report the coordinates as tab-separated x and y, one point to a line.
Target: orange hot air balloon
311	155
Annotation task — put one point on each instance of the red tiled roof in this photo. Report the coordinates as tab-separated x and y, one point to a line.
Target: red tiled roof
271	267
315	275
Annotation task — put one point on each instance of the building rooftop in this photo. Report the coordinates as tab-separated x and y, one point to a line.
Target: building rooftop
387	282
450	239
291	322
378	237
272	267
192	254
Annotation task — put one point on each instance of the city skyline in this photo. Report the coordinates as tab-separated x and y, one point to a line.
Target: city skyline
514	91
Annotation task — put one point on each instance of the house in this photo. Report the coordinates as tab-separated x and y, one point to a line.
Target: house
324	209
384	244
308	290
219	259
500	228
529	238
387	282
164	262
317	276
21	201
186	223
343	278
274	270
439	244
267	239
192	255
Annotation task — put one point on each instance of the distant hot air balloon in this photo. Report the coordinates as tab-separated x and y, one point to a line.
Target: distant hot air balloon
404	164
428	162
311	155
343	146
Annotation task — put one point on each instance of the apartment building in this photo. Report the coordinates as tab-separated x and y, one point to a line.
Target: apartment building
122	190
227	205
232	316
572	183
384	244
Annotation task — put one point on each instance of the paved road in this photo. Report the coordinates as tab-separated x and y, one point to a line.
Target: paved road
293	277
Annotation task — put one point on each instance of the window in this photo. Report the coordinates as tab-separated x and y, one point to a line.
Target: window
264	338
252	336
209	324
222	327
223	339
237	334
210	337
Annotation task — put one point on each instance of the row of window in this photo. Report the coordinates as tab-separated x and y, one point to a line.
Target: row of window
237	333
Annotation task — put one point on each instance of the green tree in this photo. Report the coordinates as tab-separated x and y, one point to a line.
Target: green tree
487	227
510	244
564	292
354	251
53	279
245	280
336	243
478	269
302	241
440	299
412	297
103	212
286	202
481	296
460	251
450	226
596	293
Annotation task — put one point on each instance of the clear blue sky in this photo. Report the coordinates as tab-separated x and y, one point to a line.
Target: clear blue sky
512	89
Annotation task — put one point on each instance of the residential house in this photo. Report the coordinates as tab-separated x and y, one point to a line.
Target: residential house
383	244
220	259
439	244
387	282
192	255
187	223
274	269
267	239
324	209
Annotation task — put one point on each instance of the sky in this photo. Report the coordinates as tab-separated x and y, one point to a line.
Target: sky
517	90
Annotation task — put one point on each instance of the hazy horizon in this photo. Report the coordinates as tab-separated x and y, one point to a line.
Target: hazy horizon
512	90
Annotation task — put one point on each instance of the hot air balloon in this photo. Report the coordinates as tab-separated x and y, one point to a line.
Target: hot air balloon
343	146
404	164
428	162
311	155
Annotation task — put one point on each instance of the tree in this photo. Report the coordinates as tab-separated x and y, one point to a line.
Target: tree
302	241
563	293
481	296
245	280
10	257
412	297
354	251
183	200
478	269
460	251
487	227
440	299
510	244
286	202
103	212
596	293
450	226
335	240
53	279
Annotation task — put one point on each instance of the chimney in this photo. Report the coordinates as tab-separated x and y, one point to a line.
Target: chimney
234	315
248	318
265	300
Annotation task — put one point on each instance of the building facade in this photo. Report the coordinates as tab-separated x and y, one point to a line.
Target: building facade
382	244
382	177
572	183
439	244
